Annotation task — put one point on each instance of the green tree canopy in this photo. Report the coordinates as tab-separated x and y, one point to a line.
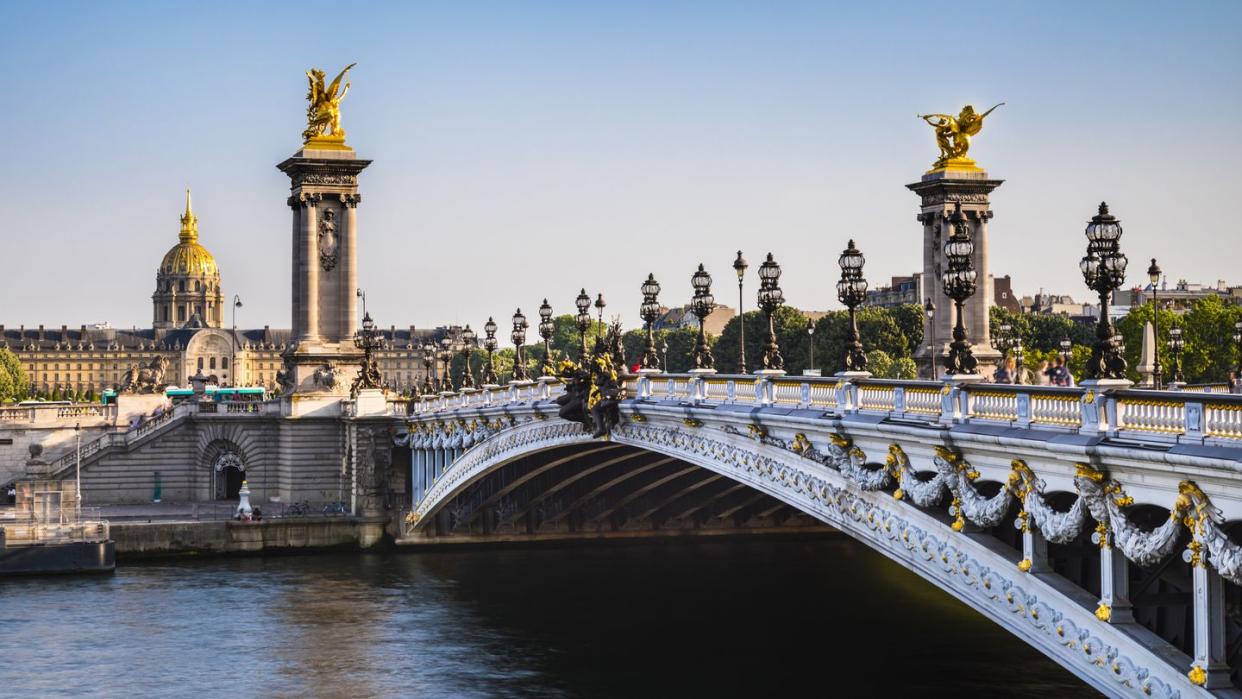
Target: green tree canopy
13	382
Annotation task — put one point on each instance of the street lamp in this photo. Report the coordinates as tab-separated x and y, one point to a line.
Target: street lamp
368	342
359	293
430	385
518	336
446	356
469	342
959	285
237	303
1066	347
583	303
929	310
77	474
1005	340
599	306
1176	344
649	311
1153	273
702	304
1104	271
489	346
771	298
1237	340
664	350
810	334
852	291
1018	360
547	328
739	266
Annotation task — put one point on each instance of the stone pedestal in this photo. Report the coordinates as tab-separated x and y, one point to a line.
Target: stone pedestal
324	199
938	192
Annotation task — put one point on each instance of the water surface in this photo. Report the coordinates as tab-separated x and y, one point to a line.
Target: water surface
737	617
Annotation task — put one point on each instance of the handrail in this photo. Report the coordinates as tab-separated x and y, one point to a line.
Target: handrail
1128	413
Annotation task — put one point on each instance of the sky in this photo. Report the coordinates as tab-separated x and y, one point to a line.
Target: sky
525	150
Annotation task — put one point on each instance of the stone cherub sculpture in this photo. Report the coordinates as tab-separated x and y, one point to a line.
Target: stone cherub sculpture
324	112
953	133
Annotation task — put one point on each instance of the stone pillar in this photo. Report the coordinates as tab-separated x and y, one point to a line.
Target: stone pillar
938	192
1209	667
308	266
324	196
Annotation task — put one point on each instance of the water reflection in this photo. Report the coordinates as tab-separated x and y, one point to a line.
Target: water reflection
724	617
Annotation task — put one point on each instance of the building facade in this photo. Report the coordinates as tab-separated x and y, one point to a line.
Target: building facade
188	332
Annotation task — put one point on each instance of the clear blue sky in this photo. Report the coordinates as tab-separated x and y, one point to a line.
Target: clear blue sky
524	150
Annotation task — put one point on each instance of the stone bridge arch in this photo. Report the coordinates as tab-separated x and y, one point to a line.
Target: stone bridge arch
976	569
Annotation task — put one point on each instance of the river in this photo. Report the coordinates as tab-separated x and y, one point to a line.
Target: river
755	617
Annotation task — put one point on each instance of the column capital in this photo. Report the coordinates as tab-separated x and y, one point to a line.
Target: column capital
351	200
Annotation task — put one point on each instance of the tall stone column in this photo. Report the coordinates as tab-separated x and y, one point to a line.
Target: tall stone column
324	197
938	192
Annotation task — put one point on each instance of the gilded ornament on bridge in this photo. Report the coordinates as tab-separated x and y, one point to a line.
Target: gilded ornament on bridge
323	114
953	137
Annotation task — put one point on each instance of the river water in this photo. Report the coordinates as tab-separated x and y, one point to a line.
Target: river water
753	617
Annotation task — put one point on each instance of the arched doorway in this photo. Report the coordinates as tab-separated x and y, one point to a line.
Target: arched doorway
230	471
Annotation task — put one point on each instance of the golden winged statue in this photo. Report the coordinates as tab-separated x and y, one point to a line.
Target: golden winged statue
953	136
324	112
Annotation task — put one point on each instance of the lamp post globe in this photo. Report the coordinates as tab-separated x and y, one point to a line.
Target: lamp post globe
702	304
852	291
959	284
649	311
739	266
1104	271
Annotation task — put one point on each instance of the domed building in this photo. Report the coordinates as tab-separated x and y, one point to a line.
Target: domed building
188	331
187	283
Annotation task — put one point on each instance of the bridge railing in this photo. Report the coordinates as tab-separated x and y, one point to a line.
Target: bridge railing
1162	416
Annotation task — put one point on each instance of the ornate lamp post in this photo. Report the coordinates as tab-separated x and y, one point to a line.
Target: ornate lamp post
1005	340
702	304
1018	357
518	336
547	328
468	341
599	306
1153	274
739	266
430	385
649	311
1066	347
810	336
959	285
489	346
664	351
446	356
1237	340
583	303
1176	345
771	298
237	303
929	310
1104	271
367	341
852	291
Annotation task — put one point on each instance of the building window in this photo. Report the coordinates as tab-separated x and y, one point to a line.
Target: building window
200	363
213	362
181	313
181	285
224	362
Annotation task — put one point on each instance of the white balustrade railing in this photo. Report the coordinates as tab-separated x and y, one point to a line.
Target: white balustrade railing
1144	414
1162	415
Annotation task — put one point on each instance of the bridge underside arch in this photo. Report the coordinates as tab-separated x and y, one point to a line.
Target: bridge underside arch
607	488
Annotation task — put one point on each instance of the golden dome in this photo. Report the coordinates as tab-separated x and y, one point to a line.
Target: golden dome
187	256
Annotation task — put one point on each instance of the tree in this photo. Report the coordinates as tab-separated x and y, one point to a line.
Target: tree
13	383
909	319
883	366
1131	329
1208	328
877	329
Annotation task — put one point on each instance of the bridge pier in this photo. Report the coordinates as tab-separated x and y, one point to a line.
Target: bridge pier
1210	668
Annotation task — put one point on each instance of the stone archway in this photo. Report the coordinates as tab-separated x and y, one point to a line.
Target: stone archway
229	470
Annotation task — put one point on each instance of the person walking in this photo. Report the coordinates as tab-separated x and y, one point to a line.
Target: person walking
1042	377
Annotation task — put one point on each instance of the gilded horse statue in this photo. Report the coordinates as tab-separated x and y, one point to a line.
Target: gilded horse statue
324	112
953	133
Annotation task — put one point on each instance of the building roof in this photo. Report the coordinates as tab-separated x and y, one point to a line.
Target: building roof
187	256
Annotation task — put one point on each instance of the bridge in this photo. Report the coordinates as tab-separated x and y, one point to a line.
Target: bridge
1094	524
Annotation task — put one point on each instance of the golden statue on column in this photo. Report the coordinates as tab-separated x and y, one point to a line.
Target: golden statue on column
323	115
953	136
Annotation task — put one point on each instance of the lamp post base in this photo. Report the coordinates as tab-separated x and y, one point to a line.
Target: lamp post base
962	378
769	372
